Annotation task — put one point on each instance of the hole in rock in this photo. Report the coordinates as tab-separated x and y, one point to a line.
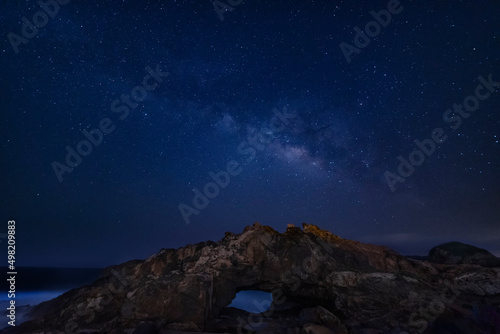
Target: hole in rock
253	301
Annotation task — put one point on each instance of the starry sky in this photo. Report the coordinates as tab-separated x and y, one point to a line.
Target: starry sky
185	119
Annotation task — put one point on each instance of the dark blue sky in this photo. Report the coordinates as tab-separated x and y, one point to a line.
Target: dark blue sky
308	136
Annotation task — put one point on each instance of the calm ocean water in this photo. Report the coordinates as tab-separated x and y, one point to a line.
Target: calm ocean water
36	285
23	299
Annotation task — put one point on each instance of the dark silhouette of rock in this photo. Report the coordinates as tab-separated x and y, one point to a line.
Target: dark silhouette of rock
321	283
460	253
146	328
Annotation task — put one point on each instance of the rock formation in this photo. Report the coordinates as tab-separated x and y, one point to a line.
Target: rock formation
460	253
320	283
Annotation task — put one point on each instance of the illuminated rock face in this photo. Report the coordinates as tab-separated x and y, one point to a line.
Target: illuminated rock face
318	280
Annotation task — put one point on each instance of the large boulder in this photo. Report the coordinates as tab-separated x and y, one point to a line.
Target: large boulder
459	253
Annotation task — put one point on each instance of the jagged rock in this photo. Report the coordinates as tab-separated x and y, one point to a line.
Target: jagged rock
317	329
184	326
347	285
321	316
460	253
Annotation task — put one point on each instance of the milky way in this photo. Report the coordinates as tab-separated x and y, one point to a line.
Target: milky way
206	139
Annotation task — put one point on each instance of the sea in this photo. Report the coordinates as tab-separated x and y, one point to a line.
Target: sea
36	285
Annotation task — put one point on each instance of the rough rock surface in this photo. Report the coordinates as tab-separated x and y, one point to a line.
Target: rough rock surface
460	253
320	283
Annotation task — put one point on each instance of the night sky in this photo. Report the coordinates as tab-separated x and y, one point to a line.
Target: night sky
296	120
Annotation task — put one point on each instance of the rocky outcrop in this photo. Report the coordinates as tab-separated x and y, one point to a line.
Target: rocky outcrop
320	283
460	253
